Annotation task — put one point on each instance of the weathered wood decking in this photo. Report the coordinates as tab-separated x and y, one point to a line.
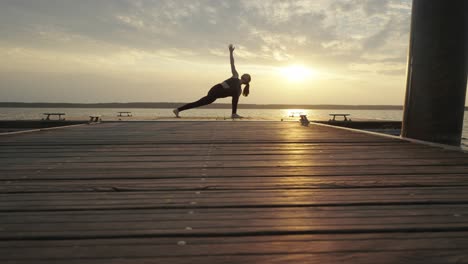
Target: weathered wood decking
229	192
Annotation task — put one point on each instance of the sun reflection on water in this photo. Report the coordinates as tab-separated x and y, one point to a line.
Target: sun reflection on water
295	112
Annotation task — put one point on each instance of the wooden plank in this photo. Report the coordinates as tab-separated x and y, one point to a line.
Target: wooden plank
204	150
384	157
251	227
97	216
232	222
293	134
415	256
232	191
310	163
232	183
231	198
366	248
51	173
229	148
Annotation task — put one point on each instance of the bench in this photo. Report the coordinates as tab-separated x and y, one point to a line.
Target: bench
54	114
94	118
126	114
343	115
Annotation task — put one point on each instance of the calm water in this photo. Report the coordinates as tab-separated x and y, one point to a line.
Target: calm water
151	114
154	114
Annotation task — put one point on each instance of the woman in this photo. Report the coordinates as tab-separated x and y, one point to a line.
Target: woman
230	87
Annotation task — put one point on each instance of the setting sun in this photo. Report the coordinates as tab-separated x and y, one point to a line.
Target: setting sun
297	73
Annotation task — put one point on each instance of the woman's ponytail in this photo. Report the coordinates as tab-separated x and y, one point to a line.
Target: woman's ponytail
246	80
246	90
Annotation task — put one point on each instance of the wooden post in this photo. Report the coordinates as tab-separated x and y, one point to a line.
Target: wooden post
437	71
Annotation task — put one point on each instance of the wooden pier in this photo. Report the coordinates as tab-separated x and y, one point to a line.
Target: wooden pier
229	192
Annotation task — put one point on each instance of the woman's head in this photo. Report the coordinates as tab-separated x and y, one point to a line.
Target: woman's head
245	79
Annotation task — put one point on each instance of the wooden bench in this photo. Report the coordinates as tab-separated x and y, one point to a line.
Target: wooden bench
94	118
343	115
126	114
54	114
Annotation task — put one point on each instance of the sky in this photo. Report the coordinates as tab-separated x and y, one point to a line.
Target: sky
297	52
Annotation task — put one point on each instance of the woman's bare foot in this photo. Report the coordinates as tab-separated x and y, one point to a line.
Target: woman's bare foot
176	112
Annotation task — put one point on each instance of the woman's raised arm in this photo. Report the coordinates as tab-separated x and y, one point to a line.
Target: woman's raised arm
233	67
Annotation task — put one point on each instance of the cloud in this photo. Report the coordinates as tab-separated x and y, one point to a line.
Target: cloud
370	7
144	35
270	28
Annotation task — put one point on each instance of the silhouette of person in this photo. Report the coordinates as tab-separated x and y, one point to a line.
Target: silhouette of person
230	87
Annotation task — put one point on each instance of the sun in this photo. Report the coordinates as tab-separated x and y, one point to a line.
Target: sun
297	73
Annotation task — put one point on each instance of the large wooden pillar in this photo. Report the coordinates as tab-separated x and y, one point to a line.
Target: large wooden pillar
437	71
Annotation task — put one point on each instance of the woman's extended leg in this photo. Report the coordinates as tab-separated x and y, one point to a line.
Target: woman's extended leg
203	101
213	94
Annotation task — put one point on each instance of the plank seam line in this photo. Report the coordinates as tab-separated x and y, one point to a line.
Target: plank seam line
210	188
267	167
240	206
94	178
38	130
243	254
206	143
247	233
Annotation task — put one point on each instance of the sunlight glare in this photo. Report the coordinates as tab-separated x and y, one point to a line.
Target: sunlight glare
297	73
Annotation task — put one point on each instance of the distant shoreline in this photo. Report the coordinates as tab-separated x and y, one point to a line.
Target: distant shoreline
212	106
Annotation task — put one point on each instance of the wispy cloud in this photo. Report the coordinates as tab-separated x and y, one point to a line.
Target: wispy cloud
339	35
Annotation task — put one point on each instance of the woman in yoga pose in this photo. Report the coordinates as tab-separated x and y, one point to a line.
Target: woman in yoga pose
230	87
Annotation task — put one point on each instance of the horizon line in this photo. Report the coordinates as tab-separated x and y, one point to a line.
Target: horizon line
273	104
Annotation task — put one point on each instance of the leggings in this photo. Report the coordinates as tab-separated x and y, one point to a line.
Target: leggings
213	94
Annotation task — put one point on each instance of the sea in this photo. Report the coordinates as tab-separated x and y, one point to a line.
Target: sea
148	114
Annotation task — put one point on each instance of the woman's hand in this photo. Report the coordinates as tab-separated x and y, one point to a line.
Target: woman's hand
231	56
